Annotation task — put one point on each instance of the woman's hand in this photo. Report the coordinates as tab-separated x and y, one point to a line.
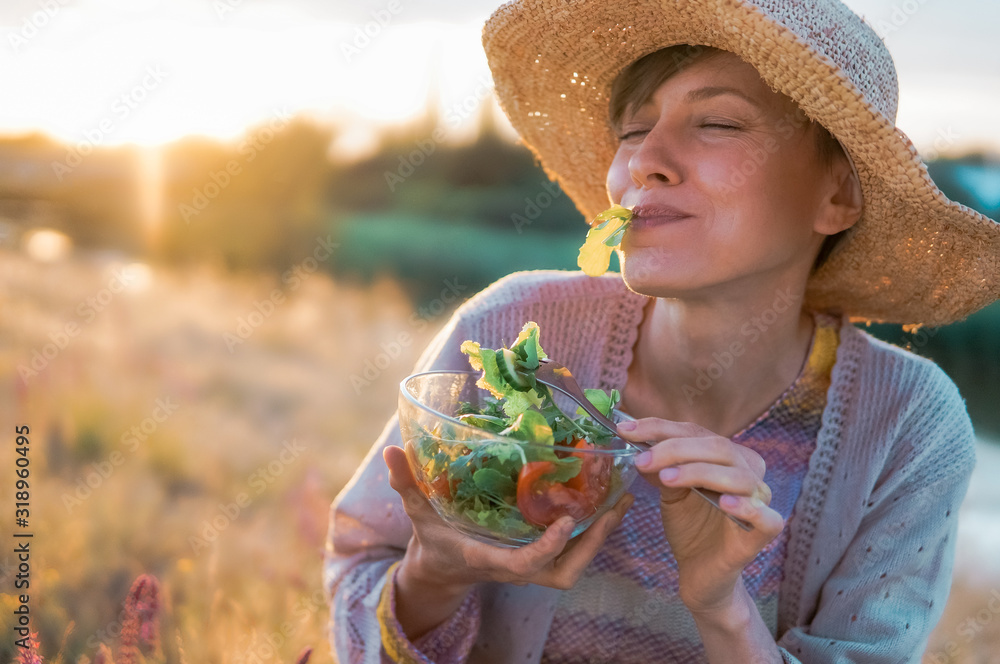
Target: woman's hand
444	563
711	551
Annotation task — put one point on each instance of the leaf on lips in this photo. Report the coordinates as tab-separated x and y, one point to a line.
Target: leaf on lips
605	234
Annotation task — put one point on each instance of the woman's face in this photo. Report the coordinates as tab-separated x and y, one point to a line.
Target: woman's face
714	142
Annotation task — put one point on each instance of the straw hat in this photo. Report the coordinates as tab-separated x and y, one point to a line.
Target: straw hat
914	257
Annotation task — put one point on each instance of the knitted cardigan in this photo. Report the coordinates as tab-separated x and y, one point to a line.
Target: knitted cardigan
871	545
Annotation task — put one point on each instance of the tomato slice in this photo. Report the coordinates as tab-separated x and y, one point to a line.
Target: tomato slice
594	479
440	487
542	502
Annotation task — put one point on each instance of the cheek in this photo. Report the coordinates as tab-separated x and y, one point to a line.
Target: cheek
619	179
764	189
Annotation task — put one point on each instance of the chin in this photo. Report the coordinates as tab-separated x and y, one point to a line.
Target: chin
652	272
646	279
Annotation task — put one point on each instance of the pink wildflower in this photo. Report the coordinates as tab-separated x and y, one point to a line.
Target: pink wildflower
142	626
30	654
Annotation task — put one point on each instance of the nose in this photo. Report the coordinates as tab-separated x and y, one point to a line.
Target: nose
654	162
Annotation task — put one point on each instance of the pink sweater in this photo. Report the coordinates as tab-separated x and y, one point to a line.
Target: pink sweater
860	573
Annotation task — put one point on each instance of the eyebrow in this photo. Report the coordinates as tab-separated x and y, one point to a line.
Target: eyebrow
702	94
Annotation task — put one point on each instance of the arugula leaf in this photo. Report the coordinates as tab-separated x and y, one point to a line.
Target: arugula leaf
527	347
520	402
527	351
601	400
607	231
472	349
566	469
484	477
495	483
531	426
485	422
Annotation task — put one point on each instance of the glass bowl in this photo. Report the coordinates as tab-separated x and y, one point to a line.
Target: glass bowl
496	488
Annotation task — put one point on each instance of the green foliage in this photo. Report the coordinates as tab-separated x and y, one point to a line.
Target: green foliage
423	252
425	212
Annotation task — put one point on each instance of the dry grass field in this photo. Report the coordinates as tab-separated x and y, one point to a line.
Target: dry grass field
194	426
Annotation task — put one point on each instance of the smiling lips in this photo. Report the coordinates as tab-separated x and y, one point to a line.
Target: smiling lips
647	216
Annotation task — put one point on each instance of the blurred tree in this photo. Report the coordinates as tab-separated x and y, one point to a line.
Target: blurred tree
256	203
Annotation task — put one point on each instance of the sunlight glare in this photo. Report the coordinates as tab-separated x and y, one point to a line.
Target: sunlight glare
151	194
47	245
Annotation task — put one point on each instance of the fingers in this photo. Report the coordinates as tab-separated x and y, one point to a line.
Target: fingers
683	442
526	563
554	560
711	449
754	460
767	522
654	428
571	563
724	479
401	479
762	492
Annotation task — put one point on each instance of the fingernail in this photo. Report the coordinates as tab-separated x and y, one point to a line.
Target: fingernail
643	459
626	426
668	474
732	502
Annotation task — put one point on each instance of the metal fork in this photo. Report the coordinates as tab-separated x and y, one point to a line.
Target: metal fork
559	377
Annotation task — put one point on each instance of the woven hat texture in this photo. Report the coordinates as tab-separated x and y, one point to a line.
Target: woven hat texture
914	257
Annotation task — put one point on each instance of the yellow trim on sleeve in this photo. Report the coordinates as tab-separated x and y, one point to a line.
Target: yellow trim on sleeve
394	642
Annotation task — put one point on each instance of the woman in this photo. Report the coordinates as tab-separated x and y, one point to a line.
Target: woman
774	202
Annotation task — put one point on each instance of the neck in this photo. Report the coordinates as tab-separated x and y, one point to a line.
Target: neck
718	364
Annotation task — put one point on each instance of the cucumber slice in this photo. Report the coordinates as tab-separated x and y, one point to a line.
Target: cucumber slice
507	364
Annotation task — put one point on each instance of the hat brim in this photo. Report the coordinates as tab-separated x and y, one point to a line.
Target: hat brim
914	257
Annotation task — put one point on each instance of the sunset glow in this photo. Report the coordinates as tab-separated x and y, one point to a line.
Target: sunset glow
109	72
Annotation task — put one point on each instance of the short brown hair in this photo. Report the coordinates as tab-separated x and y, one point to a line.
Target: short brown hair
638	82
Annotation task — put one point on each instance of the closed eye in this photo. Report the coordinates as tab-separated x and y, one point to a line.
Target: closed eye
636	133
721	126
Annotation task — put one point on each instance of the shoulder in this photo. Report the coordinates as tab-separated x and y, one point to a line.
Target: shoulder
909	400
554	296
548	286
899	374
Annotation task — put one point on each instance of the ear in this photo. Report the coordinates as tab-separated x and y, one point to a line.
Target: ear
842	201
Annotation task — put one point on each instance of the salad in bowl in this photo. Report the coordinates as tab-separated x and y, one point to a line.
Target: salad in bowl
499	458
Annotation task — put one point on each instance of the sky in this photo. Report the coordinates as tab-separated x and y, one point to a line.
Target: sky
151	71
